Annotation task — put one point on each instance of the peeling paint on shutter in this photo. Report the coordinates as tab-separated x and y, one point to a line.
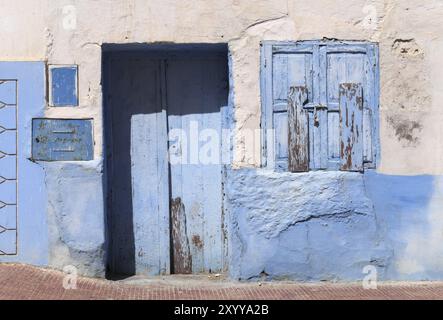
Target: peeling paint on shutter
290	68
321	67
351	126
298	130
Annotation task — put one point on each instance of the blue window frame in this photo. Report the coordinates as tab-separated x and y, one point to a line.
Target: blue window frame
338	113
63	85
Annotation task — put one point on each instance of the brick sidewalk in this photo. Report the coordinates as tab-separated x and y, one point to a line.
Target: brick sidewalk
26	282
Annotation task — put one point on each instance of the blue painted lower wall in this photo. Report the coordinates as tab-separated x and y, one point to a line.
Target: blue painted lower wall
330	225
76	216
309	227
60	216
31	220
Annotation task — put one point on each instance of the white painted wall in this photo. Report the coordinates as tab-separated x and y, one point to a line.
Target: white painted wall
72	31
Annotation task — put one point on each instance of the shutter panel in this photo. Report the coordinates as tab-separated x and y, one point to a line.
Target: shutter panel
298	130
291	67
351	126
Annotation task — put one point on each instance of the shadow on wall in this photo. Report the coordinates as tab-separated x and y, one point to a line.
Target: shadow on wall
330	225
131	92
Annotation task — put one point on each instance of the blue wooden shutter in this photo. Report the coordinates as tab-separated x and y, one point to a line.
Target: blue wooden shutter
321	67
356	64
286	67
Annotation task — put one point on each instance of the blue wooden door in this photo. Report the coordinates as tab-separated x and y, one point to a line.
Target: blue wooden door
165	215
196	91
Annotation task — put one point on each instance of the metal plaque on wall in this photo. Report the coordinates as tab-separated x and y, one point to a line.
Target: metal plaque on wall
62	140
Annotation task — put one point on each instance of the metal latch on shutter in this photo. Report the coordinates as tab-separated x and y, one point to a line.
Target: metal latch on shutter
318	107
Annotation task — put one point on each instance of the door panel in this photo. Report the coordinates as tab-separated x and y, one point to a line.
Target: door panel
139	202
196	91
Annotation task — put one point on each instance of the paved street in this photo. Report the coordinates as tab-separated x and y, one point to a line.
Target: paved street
26	282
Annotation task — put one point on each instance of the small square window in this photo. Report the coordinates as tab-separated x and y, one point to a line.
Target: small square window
63	82
320	101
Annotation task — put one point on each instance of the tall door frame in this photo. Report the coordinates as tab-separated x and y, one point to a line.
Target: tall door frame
161	261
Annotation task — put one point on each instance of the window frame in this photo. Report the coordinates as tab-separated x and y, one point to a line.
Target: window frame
50	89
319	49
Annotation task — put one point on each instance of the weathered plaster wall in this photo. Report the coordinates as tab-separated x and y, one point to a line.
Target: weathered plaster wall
330	225
317	226
75	216
411	46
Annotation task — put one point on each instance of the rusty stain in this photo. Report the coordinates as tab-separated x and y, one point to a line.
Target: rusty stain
181	252
197	241
360	102
348	153
349	94
298	130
